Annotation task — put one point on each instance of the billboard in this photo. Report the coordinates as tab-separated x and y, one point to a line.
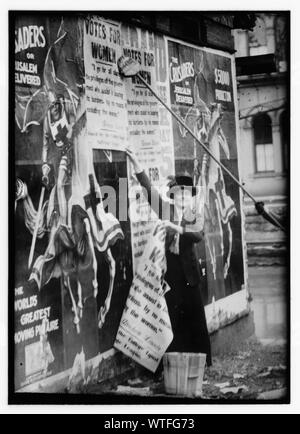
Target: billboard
75	117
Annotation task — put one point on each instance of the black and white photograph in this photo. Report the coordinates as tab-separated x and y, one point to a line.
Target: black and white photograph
149	207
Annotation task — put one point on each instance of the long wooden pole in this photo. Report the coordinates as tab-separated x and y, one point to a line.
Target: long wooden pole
204	146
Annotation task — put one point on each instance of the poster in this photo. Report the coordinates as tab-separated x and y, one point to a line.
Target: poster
104	89
149	129
49	301
37	335
145	330
202	94
30	52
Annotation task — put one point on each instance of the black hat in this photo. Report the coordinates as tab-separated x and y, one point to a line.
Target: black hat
181	181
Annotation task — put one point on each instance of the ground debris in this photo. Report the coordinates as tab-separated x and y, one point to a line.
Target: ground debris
141	391
273	371
238	376
234	390
263	374
222	385
251	371
243	355
135	382
273	394
248	374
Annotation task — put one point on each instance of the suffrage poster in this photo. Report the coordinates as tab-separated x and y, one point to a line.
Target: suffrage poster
145	330
149	129
104	89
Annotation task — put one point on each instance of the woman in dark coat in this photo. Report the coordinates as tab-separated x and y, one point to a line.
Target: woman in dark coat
184	300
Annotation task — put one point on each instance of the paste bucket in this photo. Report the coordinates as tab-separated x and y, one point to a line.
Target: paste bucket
183	373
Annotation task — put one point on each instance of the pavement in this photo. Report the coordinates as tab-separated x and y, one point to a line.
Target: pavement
269	291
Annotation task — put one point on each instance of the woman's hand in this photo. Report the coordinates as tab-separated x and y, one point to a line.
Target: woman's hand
133	158
172	227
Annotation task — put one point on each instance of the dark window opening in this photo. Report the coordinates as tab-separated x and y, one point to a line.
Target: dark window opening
263	142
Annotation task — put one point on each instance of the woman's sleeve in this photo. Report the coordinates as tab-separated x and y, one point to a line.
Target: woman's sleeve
159	206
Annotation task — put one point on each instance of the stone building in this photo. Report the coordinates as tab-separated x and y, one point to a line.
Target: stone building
262	76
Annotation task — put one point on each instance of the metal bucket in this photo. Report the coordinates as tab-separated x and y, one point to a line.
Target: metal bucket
183	373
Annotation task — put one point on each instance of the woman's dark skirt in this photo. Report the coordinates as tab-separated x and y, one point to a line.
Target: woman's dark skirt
186	312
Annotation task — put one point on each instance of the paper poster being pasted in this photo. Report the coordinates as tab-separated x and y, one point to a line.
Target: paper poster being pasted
145	330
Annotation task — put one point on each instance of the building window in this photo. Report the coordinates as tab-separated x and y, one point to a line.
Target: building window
285	139
258	38
264	150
